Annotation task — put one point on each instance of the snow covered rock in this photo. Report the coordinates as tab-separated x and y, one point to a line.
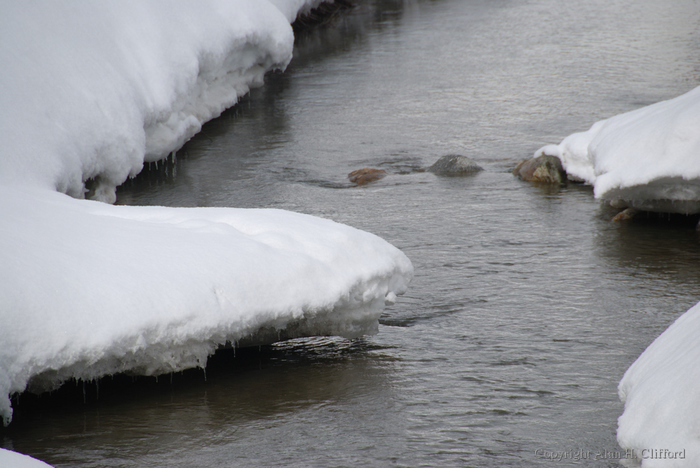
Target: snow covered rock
646	159
661	421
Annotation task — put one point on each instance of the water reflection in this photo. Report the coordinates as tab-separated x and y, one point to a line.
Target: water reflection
653	255
185	420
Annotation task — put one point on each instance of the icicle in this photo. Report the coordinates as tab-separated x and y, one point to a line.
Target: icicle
84	394
205	373
97	389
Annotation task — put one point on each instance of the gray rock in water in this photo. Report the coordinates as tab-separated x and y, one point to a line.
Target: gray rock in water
542	169
454	165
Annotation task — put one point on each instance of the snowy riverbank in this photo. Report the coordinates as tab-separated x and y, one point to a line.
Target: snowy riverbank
648	159
91	289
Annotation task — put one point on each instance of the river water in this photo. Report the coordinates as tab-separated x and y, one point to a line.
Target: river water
528	303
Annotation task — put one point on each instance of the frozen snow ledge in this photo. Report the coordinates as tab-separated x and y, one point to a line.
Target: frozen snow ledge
92	90
90	289
646	159
661	421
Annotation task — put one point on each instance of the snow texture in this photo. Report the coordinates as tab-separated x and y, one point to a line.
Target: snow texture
94	89
646	158
662	402
10	459
91	91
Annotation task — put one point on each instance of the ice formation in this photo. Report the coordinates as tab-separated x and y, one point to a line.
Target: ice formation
91	91
661	421
646	158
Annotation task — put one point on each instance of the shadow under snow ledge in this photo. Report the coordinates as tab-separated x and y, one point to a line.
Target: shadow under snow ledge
91	289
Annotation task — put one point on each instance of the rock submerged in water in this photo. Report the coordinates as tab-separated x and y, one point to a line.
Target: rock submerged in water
543	169
454	165
366	175
625	215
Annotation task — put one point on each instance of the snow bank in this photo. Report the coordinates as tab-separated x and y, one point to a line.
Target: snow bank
9	459
647	158
661	421
91	90
91	289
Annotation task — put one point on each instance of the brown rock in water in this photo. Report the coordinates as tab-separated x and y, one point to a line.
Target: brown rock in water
542	169
366	175
625	215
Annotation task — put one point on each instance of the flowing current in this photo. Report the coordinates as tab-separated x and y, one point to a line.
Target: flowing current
528	303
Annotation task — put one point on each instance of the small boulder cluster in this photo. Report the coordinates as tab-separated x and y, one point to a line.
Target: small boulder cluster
450	165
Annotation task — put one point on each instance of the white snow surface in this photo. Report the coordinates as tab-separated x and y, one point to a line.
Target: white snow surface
10	459
91	90
646	158
661	397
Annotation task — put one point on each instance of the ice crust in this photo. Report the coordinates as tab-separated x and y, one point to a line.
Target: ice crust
646	158
662	402
91	91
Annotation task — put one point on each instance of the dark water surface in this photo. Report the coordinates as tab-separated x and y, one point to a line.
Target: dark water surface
528	304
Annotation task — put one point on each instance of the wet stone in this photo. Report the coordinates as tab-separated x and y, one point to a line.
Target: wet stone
366	175
625	215
454	165
542	169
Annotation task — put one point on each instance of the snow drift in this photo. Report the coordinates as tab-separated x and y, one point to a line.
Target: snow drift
661	421
91	91
646	158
